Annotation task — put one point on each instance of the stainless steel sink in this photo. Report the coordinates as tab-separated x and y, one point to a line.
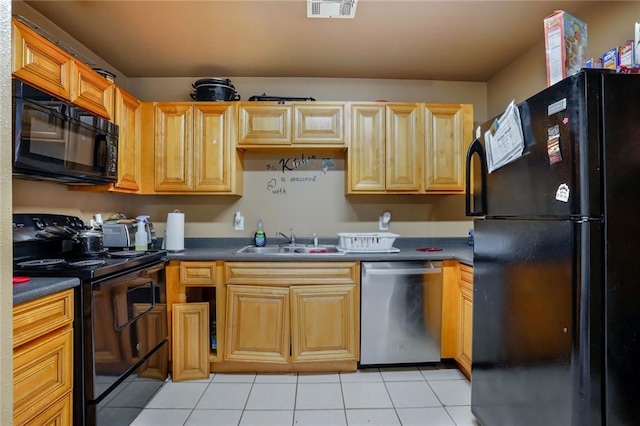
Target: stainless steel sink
317	250
292	249
264	250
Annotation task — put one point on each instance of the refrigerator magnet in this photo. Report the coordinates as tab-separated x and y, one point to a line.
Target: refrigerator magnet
562	193
553	145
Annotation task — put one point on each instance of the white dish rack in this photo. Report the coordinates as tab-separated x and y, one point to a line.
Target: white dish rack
367	242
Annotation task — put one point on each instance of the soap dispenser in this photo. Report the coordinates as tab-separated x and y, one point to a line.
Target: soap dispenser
259	238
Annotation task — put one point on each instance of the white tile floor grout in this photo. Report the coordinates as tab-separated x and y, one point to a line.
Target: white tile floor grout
424	396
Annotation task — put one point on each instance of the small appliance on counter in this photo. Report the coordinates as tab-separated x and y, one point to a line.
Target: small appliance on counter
121	233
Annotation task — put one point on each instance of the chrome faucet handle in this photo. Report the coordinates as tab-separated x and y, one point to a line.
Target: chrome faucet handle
292	238
315	240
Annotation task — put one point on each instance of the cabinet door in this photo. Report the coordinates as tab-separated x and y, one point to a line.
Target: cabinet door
174	147
324	324
264	124
42	373
465	326
448	130
190	341
152	328
403	148
128	118
318	123
91	91
38	62
213	147
257	325
366	153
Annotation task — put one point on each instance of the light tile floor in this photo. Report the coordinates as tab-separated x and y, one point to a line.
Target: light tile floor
424	396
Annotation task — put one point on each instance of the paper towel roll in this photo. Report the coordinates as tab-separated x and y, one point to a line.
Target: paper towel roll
174	232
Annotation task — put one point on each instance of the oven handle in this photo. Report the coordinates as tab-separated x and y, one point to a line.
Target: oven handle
116	317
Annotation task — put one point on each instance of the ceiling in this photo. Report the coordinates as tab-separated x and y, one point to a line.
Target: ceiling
419	39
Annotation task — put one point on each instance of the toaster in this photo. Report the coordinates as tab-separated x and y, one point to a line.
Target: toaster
123	235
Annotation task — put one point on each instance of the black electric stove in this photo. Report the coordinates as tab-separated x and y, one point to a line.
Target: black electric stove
43	247
120	322
85	267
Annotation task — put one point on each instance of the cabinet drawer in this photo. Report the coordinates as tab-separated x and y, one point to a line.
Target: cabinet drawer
59	413
41	316
466	273
198	273
42	373
287	273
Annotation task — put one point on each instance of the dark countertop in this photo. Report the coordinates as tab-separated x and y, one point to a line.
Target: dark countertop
224	249
40	287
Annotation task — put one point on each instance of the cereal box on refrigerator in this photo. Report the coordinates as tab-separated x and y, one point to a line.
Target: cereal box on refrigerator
565	41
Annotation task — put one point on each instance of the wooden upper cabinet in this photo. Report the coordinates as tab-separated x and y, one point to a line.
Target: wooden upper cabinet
448	131
297	124
44	65
195	148
321	124
424	148
264	124
366	154
91	91
403	148
214	148
174	146
40	63
128	118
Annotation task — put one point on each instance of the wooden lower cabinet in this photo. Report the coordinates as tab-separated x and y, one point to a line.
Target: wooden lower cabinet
190	352
257	324
286	317
465	321
457	314
43	360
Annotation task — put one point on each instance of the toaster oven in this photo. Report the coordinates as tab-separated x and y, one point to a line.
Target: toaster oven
123	235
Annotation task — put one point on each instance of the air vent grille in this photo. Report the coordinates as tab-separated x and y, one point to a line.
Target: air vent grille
331	8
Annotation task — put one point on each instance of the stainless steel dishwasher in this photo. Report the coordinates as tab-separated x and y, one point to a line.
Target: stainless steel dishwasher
400	313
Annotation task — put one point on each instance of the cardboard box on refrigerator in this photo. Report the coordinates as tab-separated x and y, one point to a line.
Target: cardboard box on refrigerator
565	42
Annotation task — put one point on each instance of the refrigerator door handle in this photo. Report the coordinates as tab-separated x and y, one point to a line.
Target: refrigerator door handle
476	148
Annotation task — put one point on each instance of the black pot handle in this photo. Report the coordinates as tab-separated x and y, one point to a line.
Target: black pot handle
193	96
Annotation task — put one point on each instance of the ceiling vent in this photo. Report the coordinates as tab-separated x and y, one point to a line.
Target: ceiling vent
331	8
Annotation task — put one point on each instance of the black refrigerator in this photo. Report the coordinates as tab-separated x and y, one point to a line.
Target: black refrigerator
556	302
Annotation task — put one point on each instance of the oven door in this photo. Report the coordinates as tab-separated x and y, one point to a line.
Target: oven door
126	346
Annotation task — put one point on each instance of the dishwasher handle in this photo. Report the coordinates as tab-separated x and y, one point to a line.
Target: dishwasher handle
422	270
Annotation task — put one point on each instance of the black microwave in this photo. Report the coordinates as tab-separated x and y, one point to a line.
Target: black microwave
57	141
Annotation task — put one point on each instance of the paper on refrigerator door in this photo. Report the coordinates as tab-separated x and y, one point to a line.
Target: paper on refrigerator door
504	141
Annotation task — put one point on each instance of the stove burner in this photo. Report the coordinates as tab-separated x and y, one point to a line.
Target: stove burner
127	253
87	263
42	263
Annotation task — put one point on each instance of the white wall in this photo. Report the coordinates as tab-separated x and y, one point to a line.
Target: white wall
6	248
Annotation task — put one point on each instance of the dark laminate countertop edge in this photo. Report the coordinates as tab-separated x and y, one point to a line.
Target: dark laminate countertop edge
40	287
208	249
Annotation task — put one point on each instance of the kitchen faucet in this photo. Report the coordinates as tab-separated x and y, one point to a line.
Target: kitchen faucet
290	240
